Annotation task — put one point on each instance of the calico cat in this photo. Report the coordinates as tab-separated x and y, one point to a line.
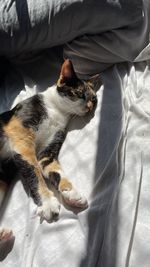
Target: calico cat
31	135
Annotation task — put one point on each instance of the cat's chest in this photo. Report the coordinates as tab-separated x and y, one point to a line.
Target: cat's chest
48	128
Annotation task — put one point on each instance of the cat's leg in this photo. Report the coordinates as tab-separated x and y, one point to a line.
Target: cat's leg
52	170
48	205
70	194
22	144
5	233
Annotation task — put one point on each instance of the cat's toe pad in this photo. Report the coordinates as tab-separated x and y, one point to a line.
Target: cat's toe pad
49	210
5	234
74	198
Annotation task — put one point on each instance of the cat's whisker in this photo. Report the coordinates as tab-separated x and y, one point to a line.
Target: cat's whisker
74	116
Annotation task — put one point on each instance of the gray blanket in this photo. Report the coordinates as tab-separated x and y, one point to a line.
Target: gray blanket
27	25
94	53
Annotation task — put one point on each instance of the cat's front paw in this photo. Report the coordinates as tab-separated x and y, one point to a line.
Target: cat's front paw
74	198
5	234
49	210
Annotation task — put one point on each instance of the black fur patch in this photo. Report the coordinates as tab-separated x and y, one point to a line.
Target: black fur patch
7	174
73	89
54	179
6	116
31	111
46	162
4	119
30	179
52	150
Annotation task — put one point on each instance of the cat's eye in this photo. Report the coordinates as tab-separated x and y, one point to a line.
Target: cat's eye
83	96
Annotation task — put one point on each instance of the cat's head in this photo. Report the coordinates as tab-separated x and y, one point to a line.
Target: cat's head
79	96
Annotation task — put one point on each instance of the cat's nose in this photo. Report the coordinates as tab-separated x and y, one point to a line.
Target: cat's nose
90	105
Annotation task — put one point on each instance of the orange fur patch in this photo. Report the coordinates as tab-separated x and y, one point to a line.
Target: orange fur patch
90	105
22	140
52	167
65	184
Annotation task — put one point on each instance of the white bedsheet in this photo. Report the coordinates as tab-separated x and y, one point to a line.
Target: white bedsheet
107	157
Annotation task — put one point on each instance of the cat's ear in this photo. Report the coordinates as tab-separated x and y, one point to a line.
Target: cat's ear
95	80
67	73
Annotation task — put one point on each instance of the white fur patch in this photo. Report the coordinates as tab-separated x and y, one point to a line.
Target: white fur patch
56	121
74	198
49	210
63	104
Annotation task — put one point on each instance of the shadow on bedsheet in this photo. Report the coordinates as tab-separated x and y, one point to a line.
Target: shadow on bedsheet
40	68
103	211
10	87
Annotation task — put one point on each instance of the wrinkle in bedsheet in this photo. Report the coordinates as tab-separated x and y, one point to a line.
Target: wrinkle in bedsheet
128	198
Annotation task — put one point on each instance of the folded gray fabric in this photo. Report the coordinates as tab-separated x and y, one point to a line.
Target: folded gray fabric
27	25
91	54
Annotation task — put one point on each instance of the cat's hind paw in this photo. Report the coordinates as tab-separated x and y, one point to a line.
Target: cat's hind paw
5	234
74	199
49	210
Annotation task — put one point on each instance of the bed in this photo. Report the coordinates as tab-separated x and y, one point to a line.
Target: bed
108	152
